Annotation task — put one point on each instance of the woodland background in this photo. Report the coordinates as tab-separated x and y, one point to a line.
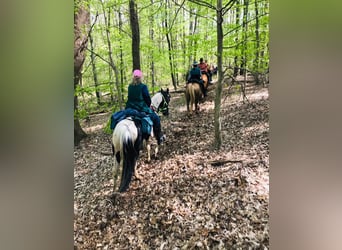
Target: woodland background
208	189
162	38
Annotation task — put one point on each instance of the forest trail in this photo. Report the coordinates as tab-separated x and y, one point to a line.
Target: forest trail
191	196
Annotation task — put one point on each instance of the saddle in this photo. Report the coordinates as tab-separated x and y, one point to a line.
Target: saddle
140	117
194	80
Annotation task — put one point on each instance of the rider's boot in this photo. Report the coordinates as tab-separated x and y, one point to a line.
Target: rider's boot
160	136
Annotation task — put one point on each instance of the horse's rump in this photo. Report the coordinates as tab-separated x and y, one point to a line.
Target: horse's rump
127	139
193	94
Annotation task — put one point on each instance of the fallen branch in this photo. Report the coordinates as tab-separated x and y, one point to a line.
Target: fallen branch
222	162
107	153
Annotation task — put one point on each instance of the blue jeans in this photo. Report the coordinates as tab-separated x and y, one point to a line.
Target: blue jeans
156	124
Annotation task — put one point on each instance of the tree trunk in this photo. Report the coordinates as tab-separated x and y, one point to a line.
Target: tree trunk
257	43
218	94
92	59
133	14
169	44
111	60
81	20
121	58
79	134
151	32
244	66
243	70
193	43
236	58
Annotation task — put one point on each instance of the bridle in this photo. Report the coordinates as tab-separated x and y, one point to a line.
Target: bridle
163	107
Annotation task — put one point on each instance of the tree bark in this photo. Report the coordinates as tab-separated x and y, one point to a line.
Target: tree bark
133	14
152	68
218	94
244	48
257	42
92	58
81	22
236	58
121	58
169	44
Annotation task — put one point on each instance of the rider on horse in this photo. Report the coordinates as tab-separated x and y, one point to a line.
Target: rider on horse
204	68
139	99
196	76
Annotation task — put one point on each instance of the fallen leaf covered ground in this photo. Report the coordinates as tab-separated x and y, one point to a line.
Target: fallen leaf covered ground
191	196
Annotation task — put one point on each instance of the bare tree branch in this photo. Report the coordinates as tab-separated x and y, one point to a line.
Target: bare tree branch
173	21
91	51
149	5
238	27
228	6
203	3
193	13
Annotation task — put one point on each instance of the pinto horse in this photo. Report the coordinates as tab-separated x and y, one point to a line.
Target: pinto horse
127	141
193	94
160	101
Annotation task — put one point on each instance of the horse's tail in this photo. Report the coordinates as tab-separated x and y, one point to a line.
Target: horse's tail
130	156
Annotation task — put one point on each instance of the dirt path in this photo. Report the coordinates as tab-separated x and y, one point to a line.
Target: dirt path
191	196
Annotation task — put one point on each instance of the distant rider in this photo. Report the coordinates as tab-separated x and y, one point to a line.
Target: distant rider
196	76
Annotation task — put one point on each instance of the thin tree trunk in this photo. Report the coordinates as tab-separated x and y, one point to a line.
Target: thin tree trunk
244	48
244	66
81	20
184	49
257	45
236	58
112	64
193	44
169	44
121	58
170	61
92	59
151	31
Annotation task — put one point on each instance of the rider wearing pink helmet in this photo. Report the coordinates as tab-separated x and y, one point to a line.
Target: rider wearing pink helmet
140	100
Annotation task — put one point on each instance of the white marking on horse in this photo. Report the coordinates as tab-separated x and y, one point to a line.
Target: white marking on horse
156	100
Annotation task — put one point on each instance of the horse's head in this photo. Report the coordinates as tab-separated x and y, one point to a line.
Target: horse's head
164	105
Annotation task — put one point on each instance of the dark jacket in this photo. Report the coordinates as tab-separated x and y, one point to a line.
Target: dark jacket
195	74
139	98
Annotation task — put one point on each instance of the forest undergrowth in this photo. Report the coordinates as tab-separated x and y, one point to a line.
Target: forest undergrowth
191	196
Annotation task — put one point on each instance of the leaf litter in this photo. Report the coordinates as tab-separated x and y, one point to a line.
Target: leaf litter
191	196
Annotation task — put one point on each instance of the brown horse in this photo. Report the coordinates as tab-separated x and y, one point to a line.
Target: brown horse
205	80
193	94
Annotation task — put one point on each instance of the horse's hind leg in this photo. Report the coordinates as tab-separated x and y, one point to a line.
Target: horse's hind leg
136	173
156	150
187	97
148	146
117	170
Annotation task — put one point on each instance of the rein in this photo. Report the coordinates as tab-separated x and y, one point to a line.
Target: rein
164	106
